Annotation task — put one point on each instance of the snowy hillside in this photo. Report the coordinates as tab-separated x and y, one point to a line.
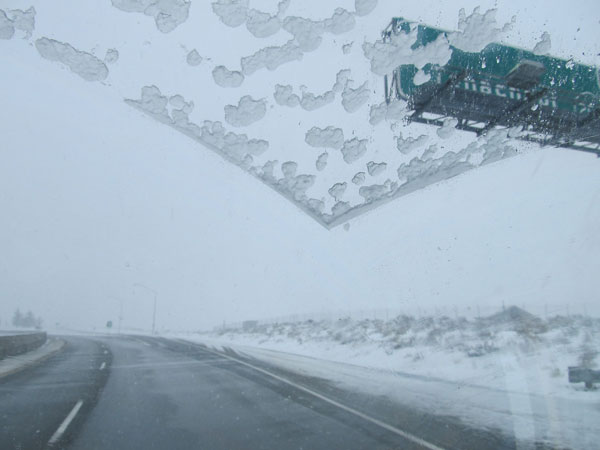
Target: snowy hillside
456	349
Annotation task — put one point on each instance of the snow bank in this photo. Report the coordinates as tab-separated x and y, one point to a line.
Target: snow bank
246	112
329	137
168	14
86	65
227	78
448	366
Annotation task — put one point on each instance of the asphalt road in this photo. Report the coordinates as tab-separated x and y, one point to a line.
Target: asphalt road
153	393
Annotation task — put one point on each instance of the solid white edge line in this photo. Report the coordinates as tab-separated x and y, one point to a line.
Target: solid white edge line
63	426
102	366
399	432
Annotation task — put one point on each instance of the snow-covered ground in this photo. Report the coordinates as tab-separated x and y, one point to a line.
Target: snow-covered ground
513	365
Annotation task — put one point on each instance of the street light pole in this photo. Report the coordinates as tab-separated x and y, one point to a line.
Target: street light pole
154	310
120	312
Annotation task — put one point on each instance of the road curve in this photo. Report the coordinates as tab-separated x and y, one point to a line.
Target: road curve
151	393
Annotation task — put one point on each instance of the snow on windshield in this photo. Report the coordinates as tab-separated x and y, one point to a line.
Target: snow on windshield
286	86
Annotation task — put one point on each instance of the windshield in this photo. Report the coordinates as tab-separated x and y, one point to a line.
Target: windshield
299	224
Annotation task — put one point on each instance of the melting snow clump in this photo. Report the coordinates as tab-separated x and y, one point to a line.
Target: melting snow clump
284	96
393	112
386	56
153	101
289	169
341	80
421	77
307	33
543	47
262	25
337	190
329	137
7	29
321	162
193	58
429	152
353	149
168	14
112	56
353	99
448	128
364	7
376	191
246	112
341	21
86	65
271	57
17	19
227	78
232	13
310	102
375	169
477	30
359	178
405	146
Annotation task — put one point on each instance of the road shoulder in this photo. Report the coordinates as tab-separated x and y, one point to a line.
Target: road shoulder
14	364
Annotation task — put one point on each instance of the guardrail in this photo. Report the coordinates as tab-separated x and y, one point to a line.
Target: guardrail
584	375
20	343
